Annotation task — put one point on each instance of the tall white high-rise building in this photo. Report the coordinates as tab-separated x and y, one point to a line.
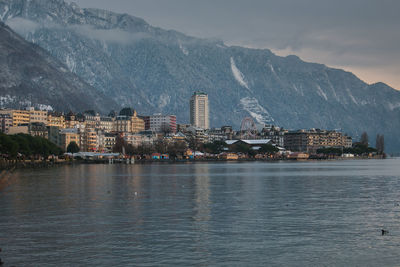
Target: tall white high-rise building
199	115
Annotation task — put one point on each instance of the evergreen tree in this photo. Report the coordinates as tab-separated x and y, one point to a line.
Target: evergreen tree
73	147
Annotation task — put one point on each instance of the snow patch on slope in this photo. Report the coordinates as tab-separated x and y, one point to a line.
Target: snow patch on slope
321	92
2	16
351	96
238	75
394	106
71	64
258	112
164	100
44	107
184	50
7	99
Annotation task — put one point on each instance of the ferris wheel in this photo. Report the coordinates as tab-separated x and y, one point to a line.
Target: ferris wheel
248	128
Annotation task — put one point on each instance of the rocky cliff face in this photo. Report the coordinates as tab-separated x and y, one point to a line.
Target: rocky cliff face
156	70
29	75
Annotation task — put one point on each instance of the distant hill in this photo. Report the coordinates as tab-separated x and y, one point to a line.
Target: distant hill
156	70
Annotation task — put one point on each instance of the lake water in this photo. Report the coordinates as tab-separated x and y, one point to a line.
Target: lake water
205	214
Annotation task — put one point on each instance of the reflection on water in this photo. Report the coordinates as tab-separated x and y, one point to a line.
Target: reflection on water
310	213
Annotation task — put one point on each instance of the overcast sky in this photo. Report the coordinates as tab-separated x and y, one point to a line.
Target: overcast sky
362	36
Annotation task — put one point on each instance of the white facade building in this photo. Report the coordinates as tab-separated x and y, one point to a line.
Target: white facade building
199	112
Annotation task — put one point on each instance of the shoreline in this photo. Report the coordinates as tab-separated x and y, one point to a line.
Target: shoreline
12	165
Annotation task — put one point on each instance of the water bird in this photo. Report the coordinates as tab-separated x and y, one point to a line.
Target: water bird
385	232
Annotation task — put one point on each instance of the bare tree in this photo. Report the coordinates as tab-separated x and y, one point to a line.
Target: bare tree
120	144
177	148
380	144
161	145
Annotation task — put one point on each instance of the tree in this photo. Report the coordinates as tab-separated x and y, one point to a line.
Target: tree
380	144
330	151
193	142
215	147
161	145
27	145
364	139
177	148
130	150
242	148
8	145
120	144
268	149
73	147
145	149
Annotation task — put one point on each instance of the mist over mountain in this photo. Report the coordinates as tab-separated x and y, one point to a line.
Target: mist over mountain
153	70
30	76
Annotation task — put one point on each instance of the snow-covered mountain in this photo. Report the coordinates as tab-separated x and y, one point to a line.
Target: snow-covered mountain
30	76
155	70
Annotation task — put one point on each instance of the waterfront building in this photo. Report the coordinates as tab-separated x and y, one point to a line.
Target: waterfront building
18	117
197	135
220	134
199	110
182	127
21	128
91	140
88	140
5	122
38	129
276	134
66	136
70	120
177	137
347	141
39	116
56	119
92	119
129	122
311	140
144	138
109	141
107	124
254	144
54	134
160	123
230	156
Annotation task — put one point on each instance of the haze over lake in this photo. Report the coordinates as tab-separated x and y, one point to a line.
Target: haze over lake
247	214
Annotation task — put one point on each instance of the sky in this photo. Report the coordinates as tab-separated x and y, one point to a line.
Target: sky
361	36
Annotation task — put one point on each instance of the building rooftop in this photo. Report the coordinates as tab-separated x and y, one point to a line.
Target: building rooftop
257	141
199	93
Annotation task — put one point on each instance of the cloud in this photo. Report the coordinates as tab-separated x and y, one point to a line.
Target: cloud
22	26
109	35
25	26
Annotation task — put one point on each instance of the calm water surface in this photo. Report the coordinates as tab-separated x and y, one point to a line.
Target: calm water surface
205	214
